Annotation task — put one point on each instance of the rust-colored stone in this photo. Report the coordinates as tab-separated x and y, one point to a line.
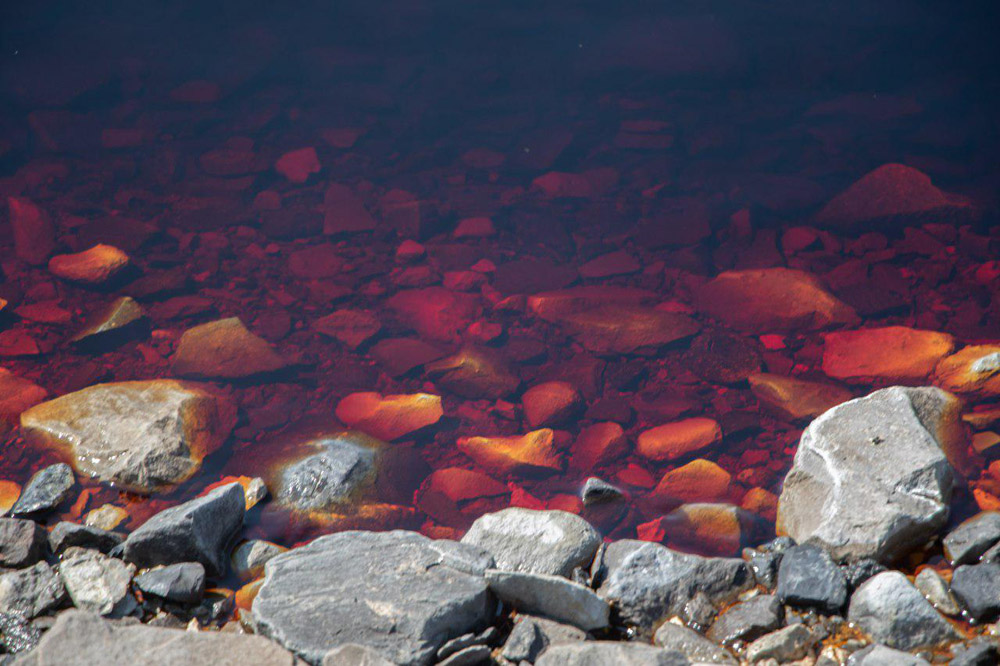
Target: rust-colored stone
351	327
890	354
34	233
529	454
974	370
598	444
698	481
16	395
678	439
389	417
550	403
94	266
224	349
794	398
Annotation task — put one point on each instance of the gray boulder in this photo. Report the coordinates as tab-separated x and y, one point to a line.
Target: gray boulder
332	471
22	542
97	583
541	542
880	655
870	477
84	639
45	490
399	593
691	644
31	591
893	612
551	596
966	543
200	530
603	653
647	582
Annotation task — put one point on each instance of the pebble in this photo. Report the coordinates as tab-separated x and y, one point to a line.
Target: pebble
784	645
598	491
98	265
224	349
748	620
532	454
389	417
249	557
673	440
935	589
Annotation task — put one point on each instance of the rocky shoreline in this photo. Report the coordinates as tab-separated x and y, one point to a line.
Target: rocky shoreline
865	502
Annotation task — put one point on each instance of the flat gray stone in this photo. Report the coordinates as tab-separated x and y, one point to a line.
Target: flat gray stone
936	590
332	471
182	583
67	535
748	620
354	655
200	530
808	577
529	541
97	583
977	588
647	582
22	542
893	612
470	656
399	593
966	543
46	490
787	644
869	478
551	596
31	591
604	653
880	655
85	639
691	644
532	635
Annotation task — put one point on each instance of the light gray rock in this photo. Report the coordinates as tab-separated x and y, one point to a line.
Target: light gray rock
647	582
603	653
870	478
66	535
880	655
354	655
787	644
31	591
691	644
200	530
182	583
97	583
333	470
46	490
966	543
935	590
542	542
141	435
249	557
470	656
22	542
748	620
551	596
531	635
85	639
892	611
17	634
599	491
399	593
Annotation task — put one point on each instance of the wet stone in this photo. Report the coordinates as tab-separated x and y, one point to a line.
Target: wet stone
550	404
977	589
966	543
249	557
698	612
22	542
808	577
793	398
389	417
474	373
748	620
114	324
598	491
552	596
31	591
341	466
935	589
98	265
224	349
68	535
723	358
46	490
97	583
889	354
691	644
893	612
182	583
880	655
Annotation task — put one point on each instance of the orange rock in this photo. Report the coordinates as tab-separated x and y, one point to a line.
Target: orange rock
461	485
9	492
698	481
765	300
794	398
598	444
224	349
351	327
761	502
674	440
982	418
246	594
550	403
985	501
106	517
533	453
552	305
984	441
455	496
16	395
3	305
94	266
974	370
709	529
389	417
890	354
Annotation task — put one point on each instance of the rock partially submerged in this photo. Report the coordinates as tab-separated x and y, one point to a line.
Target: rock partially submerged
330	472
224	349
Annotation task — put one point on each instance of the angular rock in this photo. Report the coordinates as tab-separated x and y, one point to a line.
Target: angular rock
977	588
16	396
389	417
870	478
892	611
249	557
399	593
674	440
538	542
723	358
598	444
766	300
550	404
748	620
298	165
17	633
84	639
808	577
974	370
880	655
31	591
551	596
22	542
794	398
47	489
200	530
182	583
601	653
935	589
351	327
598	491
533	453
890	354
784	645
332	471
691	644
698	481
33	231
114	324
141	435
624	329
224	349
475	373
966	543
97	583
532	635
95	266
68	535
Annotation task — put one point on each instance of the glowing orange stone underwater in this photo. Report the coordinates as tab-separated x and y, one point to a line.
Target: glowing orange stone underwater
389	417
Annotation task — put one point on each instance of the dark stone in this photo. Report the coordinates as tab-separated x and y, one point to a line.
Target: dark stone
66	535
476	654
977	588
699	612
22	542
970	540
764	566
809	577
46	490
183	583
598	491
748	620
858	572
723	358
979	652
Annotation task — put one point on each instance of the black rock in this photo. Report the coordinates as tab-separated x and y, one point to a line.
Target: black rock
66	535
764	566
46	490
977	588
809	577
858	572
966	543
200	530
978	652
748	620
182	583
22	542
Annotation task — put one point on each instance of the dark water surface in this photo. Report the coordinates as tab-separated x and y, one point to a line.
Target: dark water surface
645	147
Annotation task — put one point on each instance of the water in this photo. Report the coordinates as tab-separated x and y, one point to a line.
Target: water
699	139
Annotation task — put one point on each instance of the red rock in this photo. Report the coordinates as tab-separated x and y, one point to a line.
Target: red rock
474	372
974	370
534	453
794	398
298	165
435	313
598	445
16	395
97	265
698	481
622	329
401	355
408	215
344	211
316	262
389	417
474	227
550	404
457	496
351	327
797	239
224	349
48	312
9	490
530	275
711	529
18	343
890	354
230	160
613	263
34	233
463	280
410	251
674	440
552	305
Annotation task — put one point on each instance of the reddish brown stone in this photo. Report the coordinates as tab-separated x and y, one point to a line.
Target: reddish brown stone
613	263
16	395
794	398
532	454
389	417
550	403
597	445
474	372
351	327
224	349
298	165
674	440
94	266
435	313
34	233
345	212
890	354
698	481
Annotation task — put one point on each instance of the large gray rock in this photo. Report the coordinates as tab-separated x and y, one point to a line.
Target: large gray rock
691	644
97	583
331	472
22	542
200	530
892	611
397	592
647	582
551	596
542	542
603	653
84	639
870	478
139	435
31	591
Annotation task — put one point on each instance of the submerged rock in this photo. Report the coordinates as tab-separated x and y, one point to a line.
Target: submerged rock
475	373
974	370
331	472
113	324
890	354
97	265
224	349
45	490
389	417
534	453
16	396
793	398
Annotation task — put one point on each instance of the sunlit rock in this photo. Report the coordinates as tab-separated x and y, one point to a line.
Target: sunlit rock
890	354
534	453
224	349
121	319
674	440
327	472
389	417
142	435
761	502
771	299
698	481
974	370
550	403
474	372
707	528
793	398
97	265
